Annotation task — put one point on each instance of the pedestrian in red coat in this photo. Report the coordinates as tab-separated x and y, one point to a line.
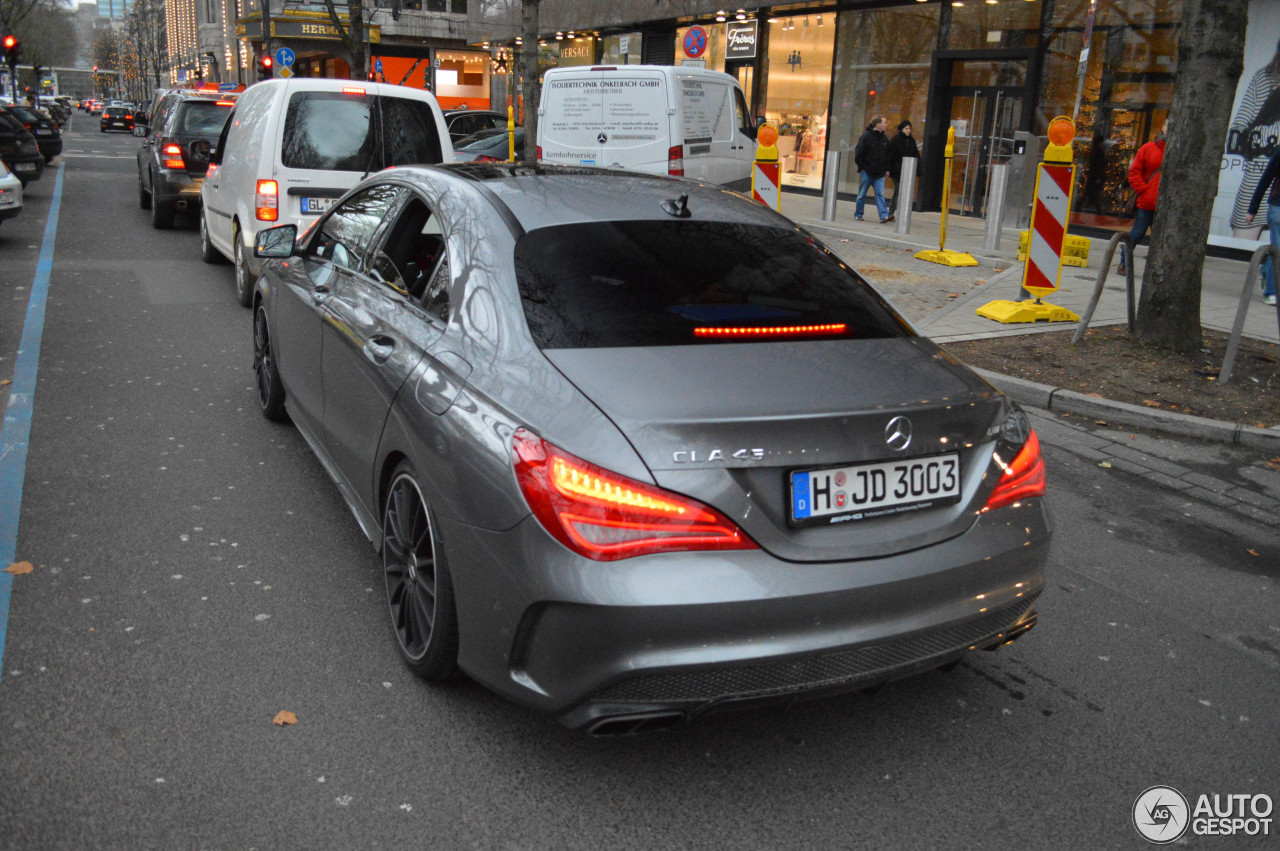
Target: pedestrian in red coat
1144	178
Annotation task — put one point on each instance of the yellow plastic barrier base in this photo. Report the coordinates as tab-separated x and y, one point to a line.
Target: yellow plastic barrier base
1026	311
947	257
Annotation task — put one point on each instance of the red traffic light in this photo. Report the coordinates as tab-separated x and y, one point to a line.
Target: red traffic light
266	62
10	41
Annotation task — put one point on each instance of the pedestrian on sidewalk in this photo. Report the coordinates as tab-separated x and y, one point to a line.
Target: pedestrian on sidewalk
1144	178
1268	180
871	156
900	146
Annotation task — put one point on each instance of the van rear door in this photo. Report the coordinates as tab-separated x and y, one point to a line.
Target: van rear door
616	117
716	149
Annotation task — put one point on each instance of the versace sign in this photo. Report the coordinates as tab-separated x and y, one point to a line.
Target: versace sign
740	39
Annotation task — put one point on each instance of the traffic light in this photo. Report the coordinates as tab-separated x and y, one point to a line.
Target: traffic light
11	50
264	68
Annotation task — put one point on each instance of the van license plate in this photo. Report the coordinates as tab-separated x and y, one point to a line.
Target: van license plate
316	205
864	491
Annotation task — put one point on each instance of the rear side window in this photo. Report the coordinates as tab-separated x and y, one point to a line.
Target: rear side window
659	283
335	131
203	117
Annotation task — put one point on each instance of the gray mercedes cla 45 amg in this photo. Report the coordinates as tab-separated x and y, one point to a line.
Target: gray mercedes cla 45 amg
634	448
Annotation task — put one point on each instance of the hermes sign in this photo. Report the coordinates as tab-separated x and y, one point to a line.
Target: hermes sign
740	39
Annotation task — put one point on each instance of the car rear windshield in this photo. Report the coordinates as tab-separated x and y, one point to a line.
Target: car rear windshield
203	117
336	131
659	283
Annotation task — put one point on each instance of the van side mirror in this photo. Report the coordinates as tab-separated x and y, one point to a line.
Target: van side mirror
275	242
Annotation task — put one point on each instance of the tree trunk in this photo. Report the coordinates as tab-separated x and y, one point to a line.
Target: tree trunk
1210	59
355	10
529	80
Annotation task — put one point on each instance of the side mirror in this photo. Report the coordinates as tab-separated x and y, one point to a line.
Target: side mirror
140	130
275	242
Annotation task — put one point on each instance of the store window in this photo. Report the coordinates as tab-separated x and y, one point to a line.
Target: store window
882	68
1124	100
797	86
1004	23
621	49
462	79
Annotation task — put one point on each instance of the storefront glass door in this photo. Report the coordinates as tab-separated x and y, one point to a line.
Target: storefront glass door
984	120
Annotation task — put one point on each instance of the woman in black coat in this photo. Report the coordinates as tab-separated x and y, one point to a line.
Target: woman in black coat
901	145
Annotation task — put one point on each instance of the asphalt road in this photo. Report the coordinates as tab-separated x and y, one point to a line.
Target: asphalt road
196	573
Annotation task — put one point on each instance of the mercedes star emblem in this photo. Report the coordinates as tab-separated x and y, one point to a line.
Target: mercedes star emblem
898	433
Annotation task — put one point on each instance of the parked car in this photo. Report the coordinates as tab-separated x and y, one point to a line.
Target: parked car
174	155
636	449
45	131
117	118
18	149
10	193
488	146
465	122
293	147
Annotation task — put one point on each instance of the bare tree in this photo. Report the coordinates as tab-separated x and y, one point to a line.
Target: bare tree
353	36
1210	59
529	79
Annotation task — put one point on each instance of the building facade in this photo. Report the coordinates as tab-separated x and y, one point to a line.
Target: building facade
997	71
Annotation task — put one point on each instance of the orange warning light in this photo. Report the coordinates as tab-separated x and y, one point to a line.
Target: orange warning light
768	136
1061	131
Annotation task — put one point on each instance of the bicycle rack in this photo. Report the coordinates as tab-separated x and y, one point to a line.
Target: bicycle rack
1118	239
1237	329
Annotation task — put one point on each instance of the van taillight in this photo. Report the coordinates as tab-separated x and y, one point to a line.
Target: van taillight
267	201
675	160
539	153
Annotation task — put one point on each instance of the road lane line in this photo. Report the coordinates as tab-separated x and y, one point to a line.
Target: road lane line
16	433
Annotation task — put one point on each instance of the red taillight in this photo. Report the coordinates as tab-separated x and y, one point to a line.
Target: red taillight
783	331
173	156
1021	478
675	160
606	516
224	103
352	90
267	201
485	158
130	117
539	154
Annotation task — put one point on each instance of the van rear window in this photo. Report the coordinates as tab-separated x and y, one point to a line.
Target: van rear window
659	283
334	131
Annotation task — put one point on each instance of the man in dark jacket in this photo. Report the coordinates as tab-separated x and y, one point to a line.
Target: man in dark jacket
901	145
871	156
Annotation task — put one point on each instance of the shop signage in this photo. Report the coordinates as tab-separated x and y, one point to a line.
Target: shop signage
740	39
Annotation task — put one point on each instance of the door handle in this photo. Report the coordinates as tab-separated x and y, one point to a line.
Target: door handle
379	349
319	294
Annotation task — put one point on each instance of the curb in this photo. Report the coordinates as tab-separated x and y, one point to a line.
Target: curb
826	229
1122	413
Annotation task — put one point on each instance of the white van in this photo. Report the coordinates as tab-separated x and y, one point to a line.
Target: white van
291	148
657	119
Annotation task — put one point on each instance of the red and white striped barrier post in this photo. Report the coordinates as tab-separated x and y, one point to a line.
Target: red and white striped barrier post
1055	180
766	173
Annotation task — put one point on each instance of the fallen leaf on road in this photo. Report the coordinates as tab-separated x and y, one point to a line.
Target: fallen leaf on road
1100	422
284	718
1255	553
1096	395
1274	463
953	295
997	270
5	382
1104	464
1151	403
19	567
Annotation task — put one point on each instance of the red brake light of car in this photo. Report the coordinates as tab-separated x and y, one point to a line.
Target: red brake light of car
606	516
782	331
267	201
1023	477
129	115
173	156
485	158
224	103
675	161
353	90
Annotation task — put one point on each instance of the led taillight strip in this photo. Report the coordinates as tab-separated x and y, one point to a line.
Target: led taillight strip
774	331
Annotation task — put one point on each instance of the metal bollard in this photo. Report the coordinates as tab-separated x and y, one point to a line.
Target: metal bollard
906	187
1237	329
830	185
1087	316
995	207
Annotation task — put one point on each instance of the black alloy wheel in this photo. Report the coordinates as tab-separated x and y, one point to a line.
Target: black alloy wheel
419	591
270	389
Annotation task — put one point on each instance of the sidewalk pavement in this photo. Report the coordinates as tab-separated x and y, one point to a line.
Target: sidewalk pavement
1222	284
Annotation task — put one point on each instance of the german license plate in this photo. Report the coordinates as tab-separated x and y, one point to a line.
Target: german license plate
865	491
316	205
24	167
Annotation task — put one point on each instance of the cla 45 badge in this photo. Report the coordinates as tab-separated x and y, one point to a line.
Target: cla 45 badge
696	456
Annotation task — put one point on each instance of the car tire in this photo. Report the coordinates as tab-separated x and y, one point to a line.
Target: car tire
419	590
208	253
144	197
244	285
161	214
270	389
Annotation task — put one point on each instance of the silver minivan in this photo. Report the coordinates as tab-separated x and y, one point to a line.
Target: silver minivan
293	147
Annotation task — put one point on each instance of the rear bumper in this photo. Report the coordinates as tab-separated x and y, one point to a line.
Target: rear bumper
26	170
177	188
678	635
49	147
